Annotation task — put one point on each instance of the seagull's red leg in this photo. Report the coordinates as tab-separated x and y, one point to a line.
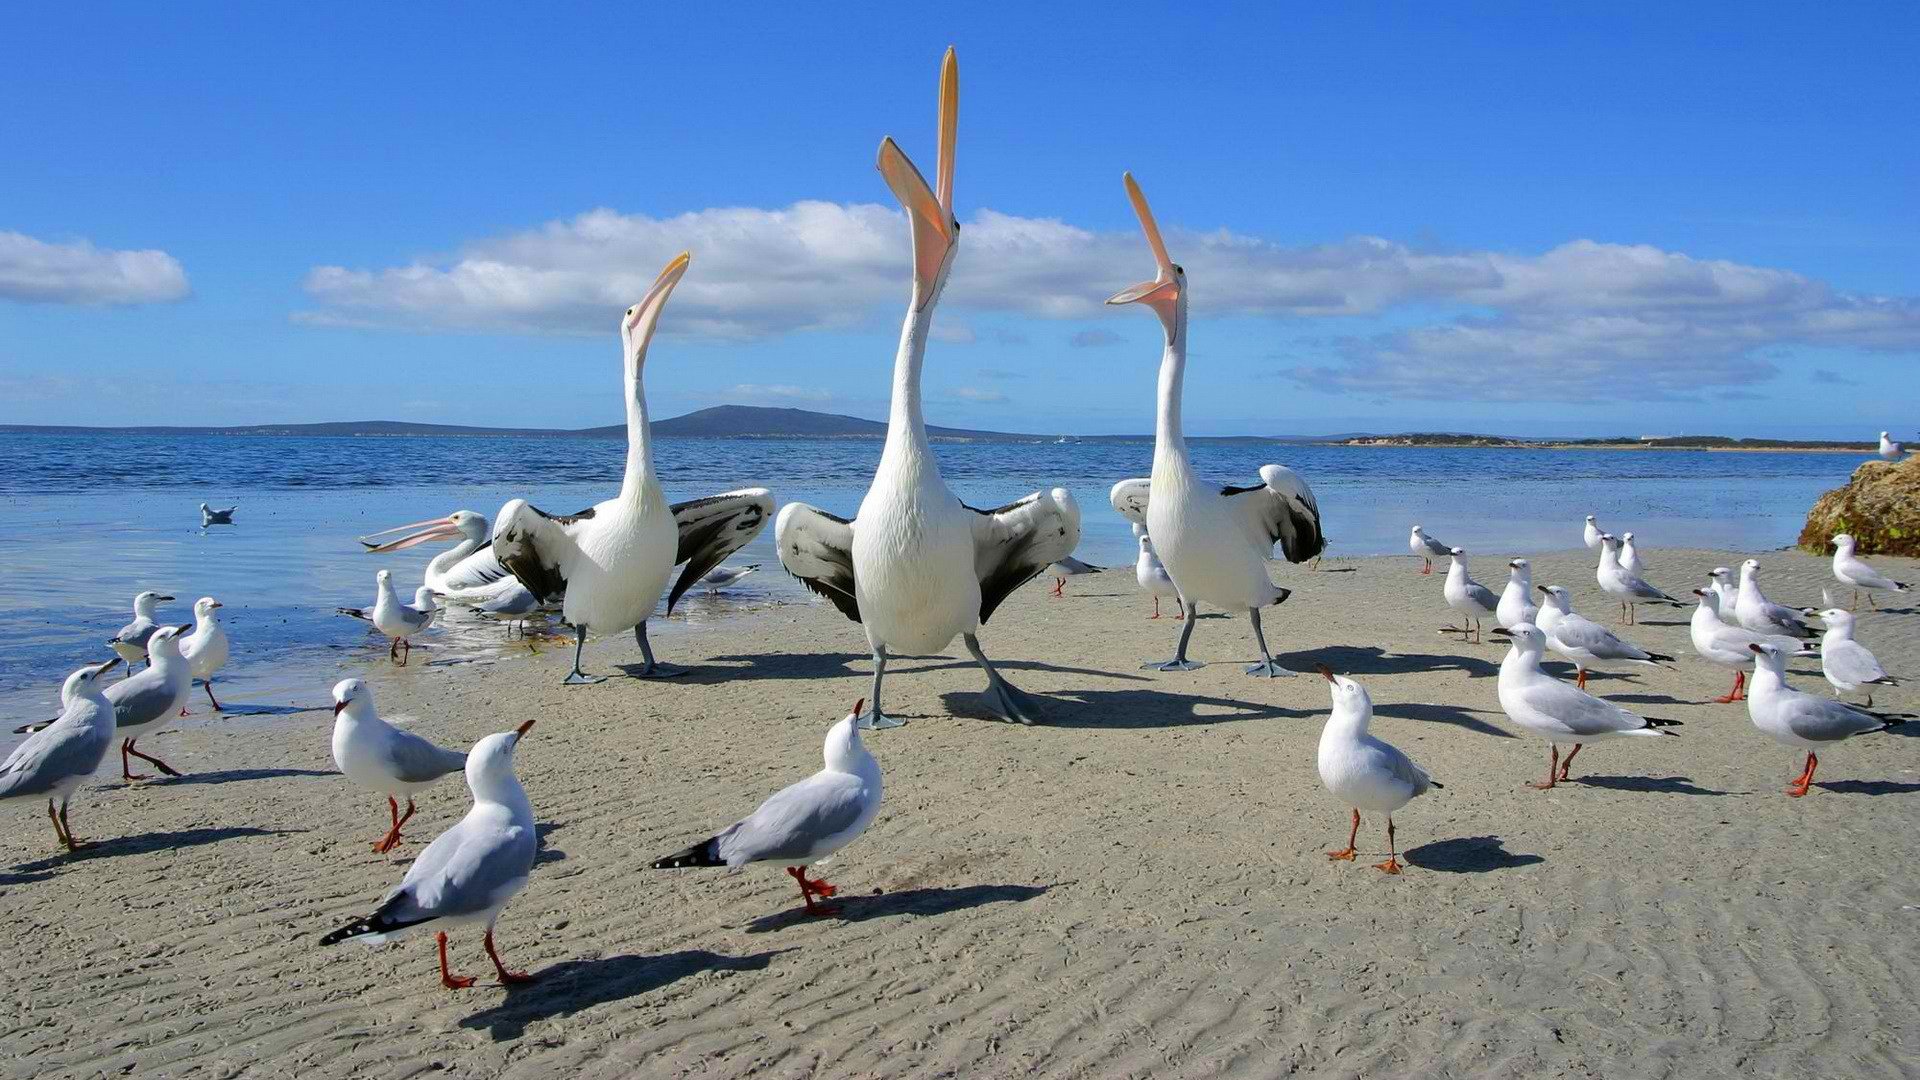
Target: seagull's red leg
1348	853
1567	762
393	650
1059	583
447	978
1553	767
1392	865
507	978
810	889
154	761
1426	566
126	766
1156	608
1580	679
1799	786
58	832
385	843
1733	695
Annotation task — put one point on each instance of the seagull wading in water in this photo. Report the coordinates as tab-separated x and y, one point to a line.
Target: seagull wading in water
916	566
1214	541
612	560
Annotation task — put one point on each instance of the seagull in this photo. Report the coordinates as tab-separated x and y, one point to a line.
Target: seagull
1632	590
1426	549
1727	587
507	601
206	648
1630	556
802	823
1853	570
1592	533
141	702
916	567
470	871
1362	771
1845	662
1757	613
1062	569
1890	450
57	759
382	758
397	620
1215	541
1560	713
1153	577
1730	646
612	560
1585	642
131	641
1471	599
465	568
722	576
1803	721
1516	600
210	516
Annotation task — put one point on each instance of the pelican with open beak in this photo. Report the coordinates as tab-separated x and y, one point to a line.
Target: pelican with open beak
460	570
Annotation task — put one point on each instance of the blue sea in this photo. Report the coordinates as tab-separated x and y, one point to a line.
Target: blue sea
92	519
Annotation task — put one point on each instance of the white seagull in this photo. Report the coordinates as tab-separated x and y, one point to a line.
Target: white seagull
1846	663
142	701
470	871
1727	588
1585	642
722	576
131	641
207	648
398	621
1471	599
1630	556
467	567
802	823
210	516
612	560
1730	646
1153	577
1630	589
57	759
1557	712
916	566
1062	569
1754	611
1803	721
1362	771
1890	450
1592	533
382	758
1516	600
1214	541
1853	570
1426	549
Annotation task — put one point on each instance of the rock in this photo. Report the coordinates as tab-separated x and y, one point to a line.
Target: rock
1879	507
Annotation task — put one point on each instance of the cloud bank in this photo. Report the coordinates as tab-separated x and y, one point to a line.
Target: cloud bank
77	272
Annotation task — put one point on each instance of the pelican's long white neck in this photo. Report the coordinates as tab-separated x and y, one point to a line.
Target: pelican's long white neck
1169	441
639	479
907	447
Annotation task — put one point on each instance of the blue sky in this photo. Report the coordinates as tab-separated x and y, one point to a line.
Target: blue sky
1393	217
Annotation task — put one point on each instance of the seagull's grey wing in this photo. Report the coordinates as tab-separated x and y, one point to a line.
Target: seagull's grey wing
414	760
1014	542
1786	618
1074	566
713	528
1818	719
69	747
1435	548
1866	577
140	700
817	548
136	632
792	823
518	600
1399	765
466	870
1482	595
1579	711
1281	509
533	546
1852	663
1578	632
1641	587
1129	499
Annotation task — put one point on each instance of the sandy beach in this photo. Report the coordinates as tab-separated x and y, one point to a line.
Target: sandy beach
1136	888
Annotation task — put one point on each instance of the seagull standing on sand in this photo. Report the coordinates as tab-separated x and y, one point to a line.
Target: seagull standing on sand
1845	662
1631	590
206	649
1853	570
1592	533
1471	599
395	619
1153	577
1585	642
1754	611
1630	556
382	758
210	516
1803	721
804	822
470	871
1062	569
1516	600
57	759
1890	450
1727	588
1362	771
1731	646
131	641
1557	712
1426	549
141	702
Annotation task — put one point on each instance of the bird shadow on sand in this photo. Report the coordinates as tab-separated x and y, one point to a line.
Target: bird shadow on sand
1468	855
1669	785
267	710
1373	660
1910	729
1646	699
1869	787
544	852
233	776
829	664
144	843
854	907
1441	714
576	985
1124	709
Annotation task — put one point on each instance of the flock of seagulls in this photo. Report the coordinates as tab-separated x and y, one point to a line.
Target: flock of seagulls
915	568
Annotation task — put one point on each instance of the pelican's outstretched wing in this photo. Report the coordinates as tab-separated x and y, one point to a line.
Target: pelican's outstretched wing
1016	541
817	548
713	528
1129	498
1281	509
536	546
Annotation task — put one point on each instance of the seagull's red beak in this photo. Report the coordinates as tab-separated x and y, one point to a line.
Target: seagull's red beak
524	728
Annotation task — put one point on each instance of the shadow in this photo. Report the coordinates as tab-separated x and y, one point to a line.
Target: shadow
1372	660
1869	787
1671	785
23	879
1567	672
1125	709
1660	622
543	853
574	985
1467	855
1908	730
142	843
272	710
233	776
821	665
1442	714
1646	699
1339	570
856	908
894	667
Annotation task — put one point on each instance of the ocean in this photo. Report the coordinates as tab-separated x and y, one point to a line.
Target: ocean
92	519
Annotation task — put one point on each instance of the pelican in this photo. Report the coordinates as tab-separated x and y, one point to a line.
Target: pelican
1214	541
612	560
461	569
916	566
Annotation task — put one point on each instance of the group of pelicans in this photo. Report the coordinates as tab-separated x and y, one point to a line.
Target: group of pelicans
915	568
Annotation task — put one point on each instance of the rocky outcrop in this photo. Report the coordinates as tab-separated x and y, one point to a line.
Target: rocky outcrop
1879	507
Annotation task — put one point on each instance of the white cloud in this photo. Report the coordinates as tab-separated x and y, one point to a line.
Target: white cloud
80	273
979	396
